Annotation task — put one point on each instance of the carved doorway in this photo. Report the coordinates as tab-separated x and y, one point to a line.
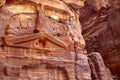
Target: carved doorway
57	74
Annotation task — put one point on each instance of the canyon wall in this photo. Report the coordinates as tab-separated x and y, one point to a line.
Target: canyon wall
101	27
42	41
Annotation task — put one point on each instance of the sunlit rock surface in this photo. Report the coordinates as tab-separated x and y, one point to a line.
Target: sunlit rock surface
37	46
42	40
75	3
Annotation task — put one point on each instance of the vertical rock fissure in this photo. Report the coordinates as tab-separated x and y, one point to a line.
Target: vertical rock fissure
36	22
74	44
93	70
75	61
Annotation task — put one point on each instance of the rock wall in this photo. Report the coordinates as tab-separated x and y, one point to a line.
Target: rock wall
35	46
101	30
110	48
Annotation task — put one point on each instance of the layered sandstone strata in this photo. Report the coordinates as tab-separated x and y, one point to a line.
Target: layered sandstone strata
101	30
48	54
35	45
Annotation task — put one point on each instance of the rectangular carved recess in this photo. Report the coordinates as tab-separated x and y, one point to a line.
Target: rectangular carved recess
44	72
21	8
56	13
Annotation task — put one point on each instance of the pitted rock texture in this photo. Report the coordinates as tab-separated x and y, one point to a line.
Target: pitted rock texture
38	47
40	41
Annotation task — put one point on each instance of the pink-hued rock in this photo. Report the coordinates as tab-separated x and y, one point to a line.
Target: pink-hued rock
101	31
42	40
101	70
110	39
97	4
2	2
49	53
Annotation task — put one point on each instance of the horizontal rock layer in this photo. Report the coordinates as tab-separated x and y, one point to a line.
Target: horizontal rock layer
101	30
35	45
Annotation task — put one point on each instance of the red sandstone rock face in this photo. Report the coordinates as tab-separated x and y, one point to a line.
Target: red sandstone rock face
101	31
102	73
2	2
97	4
110	47
35	45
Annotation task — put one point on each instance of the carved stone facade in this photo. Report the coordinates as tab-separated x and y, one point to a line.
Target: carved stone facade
41	41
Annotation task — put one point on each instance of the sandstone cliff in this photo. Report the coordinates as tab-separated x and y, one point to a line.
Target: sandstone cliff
43	39
101	27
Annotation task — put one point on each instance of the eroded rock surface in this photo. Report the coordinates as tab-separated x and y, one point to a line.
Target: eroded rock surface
101	29
42	41
35	45
110	47
101	72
